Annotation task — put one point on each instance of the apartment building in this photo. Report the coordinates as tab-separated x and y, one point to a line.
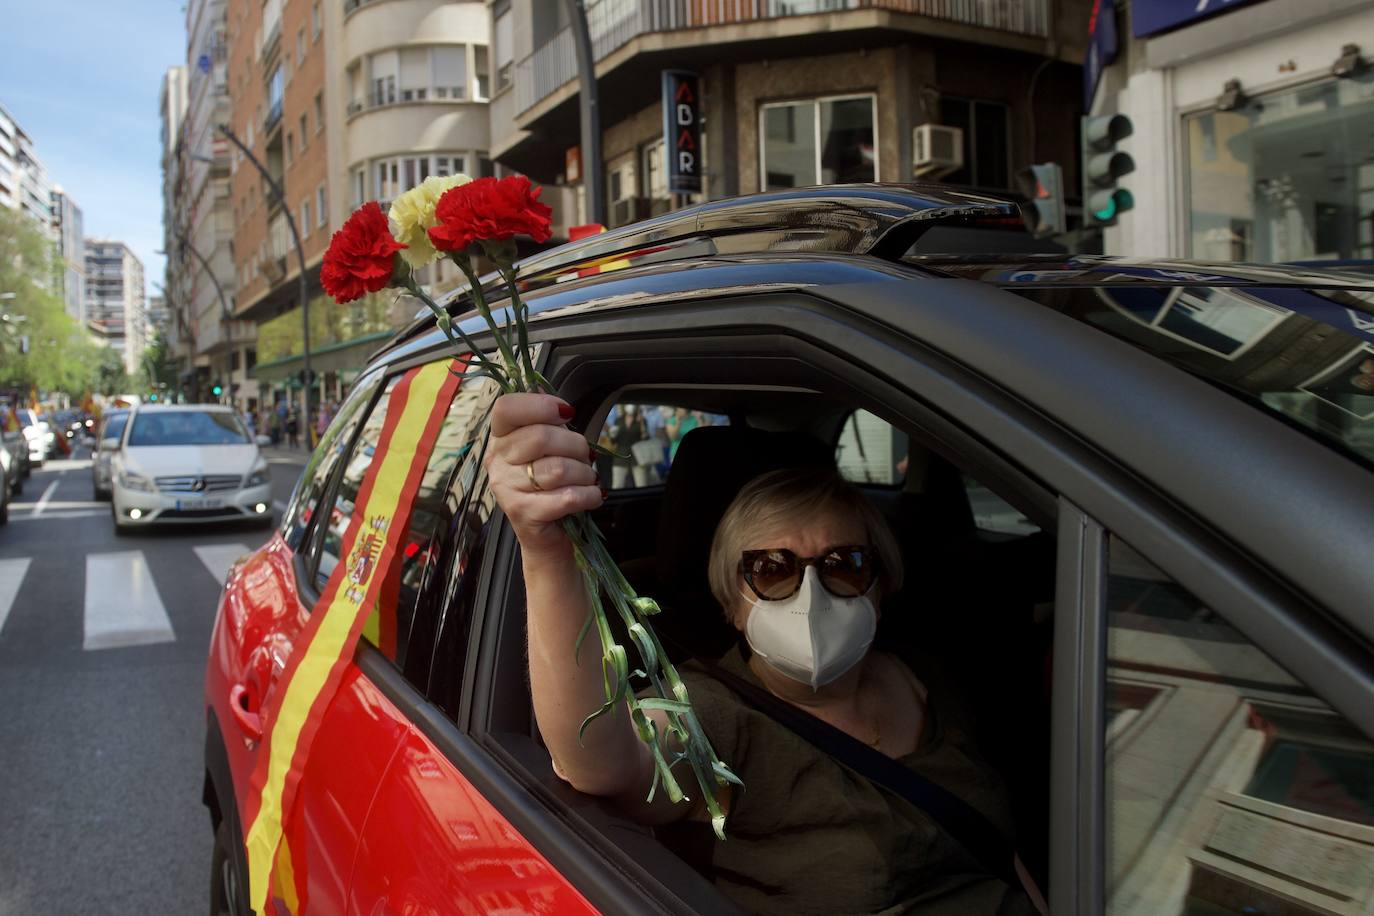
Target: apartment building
24	184
68	235
115	310
791	92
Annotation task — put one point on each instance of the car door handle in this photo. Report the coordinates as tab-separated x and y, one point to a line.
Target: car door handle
249	722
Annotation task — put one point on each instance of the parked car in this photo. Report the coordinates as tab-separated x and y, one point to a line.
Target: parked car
108	437
1134	500
187	464
14	450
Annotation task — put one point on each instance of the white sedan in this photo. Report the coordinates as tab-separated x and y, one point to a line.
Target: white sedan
187	463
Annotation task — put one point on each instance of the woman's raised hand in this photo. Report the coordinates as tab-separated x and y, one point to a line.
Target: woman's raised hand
540	471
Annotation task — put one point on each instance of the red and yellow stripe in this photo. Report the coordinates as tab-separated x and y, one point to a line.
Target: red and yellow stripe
415	412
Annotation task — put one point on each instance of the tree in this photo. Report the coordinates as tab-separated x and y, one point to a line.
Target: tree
158	369
58	355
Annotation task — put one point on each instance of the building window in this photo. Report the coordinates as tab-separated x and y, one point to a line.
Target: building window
819	141
482	78
1287	176
315	21
300	46
450	73
395	175
250	358
655	177
306	225
321	208
503	43
290	148
359	187
319	112
419	74
303	133
987	141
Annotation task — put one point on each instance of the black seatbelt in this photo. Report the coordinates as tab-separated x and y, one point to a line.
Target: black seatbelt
969	828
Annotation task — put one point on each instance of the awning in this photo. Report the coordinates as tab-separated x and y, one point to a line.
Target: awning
349	356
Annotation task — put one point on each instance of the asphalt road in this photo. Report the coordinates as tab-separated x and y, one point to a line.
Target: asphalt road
101	748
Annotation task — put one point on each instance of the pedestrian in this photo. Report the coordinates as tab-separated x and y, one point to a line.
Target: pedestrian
293	429
322	422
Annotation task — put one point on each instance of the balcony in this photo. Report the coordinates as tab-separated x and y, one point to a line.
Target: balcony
272	118
615	23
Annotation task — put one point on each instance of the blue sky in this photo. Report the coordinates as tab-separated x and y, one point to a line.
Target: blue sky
82	78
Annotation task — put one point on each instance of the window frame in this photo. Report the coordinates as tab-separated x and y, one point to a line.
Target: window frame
815	102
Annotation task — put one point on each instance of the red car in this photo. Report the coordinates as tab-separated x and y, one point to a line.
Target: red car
1133	500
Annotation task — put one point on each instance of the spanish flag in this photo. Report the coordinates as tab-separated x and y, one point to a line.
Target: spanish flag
381	516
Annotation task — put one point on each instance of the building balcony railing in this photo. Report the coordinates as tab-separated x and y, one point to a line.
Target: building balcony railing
421	96
272	118
614	23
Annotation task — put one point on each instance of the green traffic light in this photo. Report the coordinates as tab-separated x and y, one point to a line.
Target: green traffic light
217	391
152	397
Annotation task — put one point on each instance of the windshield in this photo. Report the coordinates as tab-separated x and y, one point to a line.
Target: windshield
1304	355
114	427
187	427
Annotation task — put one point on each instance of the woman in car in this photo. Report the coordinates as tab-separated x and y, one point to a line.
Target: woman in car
800	562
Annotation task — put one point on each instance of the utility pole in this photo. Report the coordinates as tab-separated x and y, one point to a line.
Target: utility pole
307	377
593	181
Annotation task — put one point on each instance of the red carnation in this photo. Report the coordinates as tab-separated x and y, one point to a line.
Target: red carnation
490	210
361	255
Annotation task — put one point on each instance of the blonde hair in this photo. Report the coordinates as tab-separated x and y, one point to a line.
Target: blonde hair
791	498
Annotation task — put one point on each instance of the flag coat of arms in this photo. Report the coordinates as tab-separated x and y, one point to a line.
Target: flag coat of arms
381	516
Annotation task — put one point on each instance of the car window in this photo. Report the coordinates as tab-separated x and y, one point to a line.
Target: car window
871	451
1230	786
187	427
1305	355
437	523
993	516
114	427
318	471
645	438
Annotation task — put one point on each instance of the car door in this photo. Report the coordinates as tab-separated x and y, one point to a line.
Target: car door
432	842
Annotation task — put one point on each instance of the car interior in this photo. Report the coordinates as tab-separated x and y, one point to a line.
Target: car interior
978	589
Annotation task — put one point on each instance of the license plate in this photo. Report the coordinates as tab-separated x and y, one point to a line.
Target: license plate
202	503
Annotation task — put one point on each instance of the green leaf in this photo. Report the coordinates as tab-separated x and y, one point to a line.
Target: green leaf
660	703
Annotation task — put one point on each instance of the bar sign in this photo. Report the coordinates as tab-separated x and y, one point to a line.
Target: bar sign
682	130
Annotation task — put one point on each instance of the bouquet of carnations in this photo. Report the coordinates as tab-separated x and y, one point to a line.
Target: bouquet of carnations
456	217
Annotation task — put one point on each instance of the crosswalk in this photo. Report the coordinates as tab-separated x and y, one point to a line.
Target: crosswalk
122	606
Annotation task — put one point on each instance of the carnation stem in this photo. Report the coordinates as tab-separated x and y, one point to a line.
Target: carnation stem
602	575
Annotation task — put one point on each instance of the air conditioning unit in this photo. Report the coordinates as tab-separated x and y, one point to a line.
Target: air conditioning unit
627	210
937	150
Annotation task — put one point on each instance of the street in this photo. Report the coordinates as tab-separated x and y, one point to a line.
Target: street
103	719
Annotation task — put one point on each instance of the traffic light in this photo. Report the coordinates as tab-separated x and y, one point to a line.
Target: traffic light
1043	183
153	396
1103	164
217	390
307	377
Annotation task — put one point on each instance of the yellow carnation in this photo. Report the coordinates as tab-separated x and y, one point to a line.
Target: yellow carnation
412	215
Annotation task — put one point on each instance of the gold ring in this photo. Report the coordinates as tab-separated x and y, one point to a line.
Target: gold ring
529	472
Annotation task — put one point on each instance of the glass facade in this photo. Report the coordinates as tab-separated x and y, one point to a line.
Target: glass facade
819	141
1287	176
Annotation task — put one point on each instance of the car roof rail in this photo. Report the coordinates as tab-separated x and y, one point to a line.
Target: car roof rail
882	220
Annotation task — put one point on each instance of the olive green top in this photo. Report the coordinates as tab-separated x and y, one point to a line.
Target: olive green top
808	835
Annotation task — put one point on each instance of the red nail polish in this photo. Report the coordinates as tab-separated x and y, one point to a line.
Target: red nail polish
565	411
605	493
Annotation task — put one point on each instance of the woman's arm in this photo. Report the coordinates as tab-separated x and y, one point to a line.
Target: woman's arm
609	760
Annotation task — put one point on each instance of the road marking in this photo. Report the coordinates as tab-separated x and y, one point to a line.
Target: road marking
43	500
55	516
11	577
59	504
122	603
219	557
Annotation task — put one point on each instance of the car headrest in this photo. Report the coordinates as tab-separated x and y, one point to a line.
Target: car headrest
712	464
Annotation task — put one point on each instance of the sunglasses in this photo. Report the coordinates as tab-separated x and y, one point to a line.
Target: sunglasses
776	574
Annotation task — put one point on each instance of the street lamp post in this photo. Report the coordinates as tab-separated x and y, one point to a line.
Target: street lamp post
280	195
590	103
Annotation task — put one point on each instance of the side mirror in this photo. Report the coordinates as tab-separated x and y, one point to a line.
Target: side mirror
107	444
264	440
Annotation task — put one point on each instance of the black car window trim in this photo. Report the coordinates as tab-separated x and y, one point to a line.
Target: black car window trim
500	661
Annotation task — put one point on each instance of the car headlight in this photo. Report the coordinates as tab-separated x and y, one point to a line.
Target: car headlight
257	478
135	482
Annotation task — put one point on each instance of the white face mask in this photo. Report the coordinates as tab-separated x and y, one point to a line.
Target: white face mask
814	636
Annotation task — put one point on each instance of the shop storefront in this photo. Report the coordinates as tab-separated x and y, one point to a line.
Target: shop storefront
1253	131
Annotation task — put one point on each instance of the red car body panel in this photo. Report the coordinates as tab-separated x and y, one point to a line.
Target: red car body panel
382	819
